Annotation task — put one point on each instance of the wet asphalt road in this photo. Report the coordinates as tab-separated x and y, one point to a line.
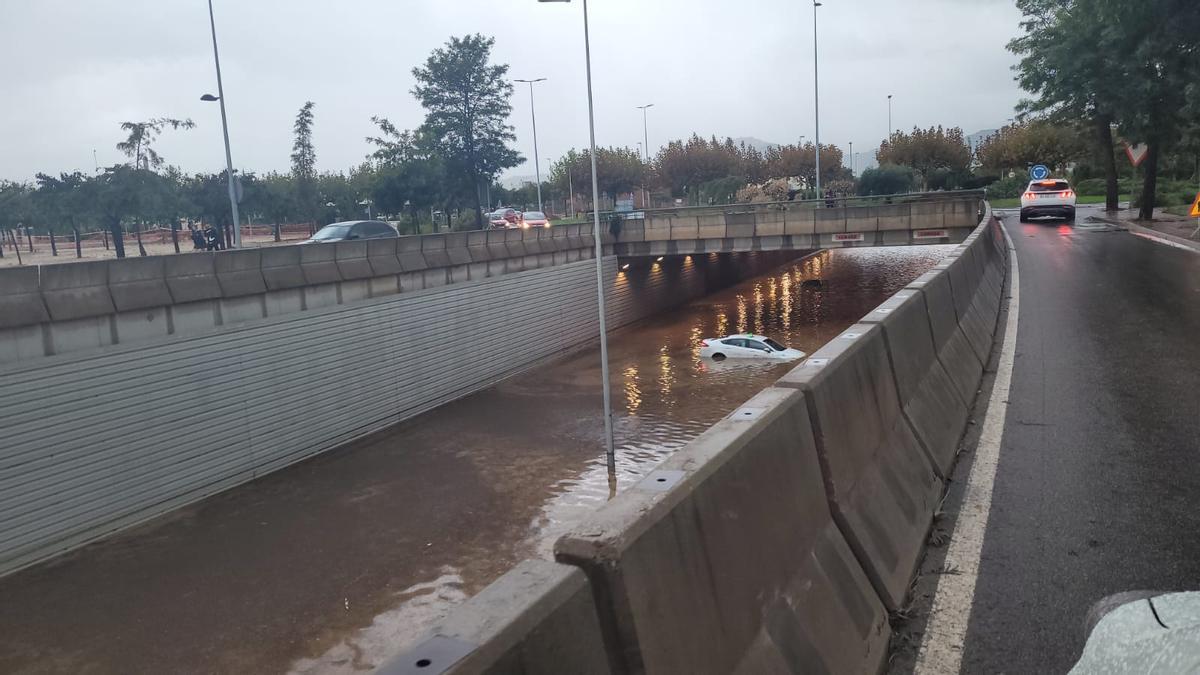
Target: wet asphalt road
334	564
1097	490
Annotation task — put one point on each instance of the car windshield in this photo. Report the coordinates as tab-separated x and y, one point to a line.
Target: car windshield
774	345
332	232
1049	186
534	215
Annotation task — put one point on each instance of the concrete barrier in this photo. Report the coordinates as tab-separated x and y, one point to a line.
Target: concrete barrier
726	559
882	488
457	252
408	251
240	273
433	247
954	352
351	260
318	263
974	303
138	283
538	619
192	277
20	297
281	267
928	398
76	290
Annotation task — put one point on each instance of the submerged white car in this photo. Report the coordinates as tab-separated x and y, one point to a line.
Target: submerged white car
747	346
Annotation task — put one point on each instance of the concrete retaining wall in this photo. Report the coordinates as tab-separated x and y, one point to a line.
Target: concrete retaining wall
776	540
799	226
94	441
79	307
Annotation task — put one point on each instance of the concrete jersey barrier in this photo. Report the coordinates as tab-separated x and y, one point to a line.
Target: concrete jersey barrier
928	398
726	559
538	619
882	488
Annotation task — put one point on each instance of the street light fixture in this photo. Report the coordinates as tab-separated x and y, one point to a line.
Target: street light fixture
537	167
817	100
889	133
646	146
233	206
610	447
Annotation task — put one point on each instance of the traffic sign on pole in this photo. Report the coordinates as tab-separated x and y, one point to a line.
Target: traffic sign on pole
1137	153
1039	172
1195	213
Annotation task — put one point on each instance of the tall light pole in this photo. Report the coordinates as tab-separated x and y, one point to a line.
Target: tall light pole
645	132
537	166
646	146
889	133
610	447
817	99
237	224
851	159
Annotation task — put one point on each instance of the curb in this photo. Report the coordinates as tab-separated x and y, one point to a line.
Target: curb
1154	235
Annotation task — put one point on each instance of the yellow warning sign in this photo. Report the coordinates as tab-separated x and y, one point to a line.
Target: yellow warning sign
1196	206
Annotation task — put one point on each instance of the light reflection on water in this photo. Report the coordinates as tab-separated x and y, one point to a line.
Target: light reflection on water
692	392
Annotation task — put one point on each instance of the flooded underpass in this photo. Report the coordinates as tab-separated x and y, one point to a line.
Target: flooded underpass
336	563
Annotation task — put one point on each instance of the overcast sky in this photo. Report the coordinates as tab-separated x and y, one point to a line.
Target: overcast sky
75	69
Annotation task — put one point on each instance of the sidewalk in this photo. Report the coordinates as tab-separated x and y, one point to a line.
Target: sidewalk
1168	227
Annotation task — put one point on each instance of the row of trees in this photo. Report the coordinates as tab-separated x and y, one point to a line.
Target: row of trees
1126	66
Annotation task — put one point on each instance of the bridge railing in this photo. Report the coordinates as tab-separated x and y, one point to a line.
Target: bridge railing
830	202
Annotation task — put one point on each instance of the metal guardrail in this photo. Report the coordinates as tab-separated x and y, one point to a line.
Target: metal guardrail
838	202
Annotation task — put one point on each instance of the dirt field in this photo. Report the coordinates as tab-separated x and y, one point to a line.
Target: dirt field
157	242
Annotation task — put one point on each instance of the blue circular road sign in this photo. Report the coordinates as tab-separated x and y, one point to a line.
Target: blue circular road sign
1039	172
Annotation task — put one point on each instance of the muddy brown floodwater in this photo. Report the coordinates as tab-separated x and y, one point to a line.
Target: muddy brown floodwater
337	563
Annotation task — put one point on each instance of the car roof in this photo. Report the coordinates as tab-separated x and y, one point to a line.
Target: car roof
750	336
356	222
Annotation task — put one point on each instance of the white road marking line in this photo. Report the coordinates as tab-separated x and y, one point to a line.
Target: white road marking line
946	632
1161	240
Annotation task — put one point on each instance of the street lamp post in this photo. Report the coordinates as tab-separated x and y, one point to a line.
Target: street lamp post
889	133
851	159
817	100
610	448
237	225
646	147
537	167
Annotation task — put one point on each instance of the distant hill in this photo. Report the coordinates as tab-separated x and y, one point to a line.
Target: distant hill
756	143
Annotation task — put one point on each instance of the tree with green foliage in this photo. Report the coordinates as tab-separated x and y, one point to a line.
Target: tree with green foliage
467	104
304	164
619	170
274	200
1114	62
137	146
66	199
926	151
887	179
1041	141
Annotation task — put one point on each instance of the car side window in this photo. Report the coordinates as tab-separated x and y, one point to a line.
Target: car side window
755	344
380	230
356	232
734	342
